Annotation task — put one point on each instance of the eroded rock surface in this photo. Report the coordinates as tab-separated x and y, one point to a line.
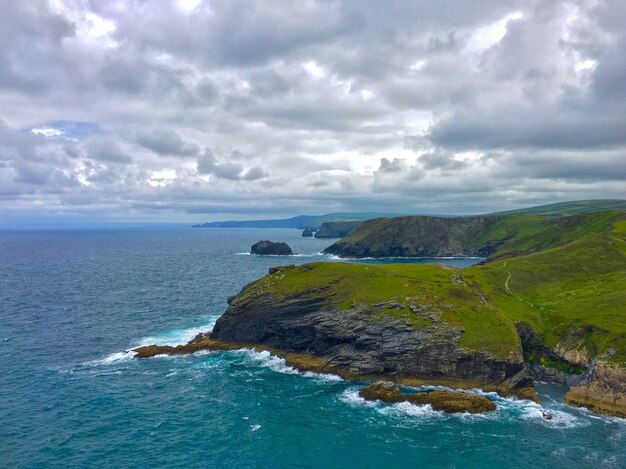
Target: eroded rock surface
360	341
603	392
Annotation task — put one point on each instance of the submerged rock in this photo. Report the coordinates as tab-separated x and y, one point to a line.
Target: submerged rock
604	392
382	391
447	401
200	342
271	248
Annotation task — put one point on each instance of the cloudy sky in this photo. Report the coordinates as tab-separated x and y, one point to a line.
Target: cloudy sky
190	111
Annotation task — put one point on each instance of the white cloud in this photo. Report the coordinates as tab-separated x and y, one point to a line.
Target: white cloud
487	36
109	107
314	70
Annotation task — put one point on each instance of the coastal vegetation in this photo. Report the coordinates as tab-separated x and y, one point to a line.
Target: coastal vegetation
549	300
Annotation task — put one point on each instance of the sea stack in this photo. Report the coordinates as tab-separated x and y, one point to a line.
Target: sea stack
307	233
271	248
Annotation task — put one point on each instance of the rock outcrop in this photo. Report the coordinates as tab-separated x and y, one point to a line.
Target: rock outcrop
447	401
603	392
307	233
416	237
270	248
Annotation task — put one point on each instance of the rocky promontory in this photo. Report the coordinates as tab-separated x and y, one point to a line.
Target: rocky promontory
270	248
336	229
362	332
547	305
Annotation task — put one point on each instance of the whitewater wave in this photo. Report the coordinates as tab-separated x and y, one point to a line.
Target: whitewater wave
526	410
507	409
316	254
267	360
113	358
176	336
351	397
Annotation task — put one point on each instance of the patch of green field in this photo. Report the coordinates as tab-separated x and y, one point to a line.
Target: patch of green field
562	209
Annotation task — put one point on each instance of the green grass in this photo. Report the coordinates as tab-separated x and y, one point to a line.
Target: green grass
571	208
500	236
570	289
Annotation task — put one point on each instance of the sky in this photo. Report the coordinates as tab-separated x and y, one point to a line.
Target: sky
191	111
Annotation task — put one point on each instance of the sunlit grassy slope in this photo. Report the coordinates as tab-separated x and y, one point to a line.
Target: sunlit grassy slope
496	236
569	286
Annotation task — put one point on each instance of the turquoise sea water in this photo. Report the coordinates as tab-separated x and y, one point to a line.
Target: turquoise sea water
72	302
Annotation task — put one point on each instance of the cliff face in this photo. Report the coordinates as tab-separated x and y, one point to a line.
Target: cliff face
604	391
385	338
556	312
485	236
416	237
336	229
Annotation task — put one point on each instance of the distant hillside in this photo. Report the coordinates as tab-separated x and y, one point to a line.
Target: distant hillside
490	236
301	222
570	208
337	229
315	222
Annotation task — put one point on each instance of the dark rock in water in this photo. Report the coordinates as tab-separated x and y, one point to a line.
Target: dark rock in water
271	248
307	233
200	342
447	401
382	391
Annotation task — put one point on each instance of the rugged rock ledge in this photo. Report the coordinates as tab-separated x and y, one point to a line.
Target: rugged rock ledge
447	401
364	339
336	229
603	392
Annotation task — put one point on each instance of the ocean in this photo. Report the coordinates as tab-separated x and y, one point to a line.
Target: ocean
72	302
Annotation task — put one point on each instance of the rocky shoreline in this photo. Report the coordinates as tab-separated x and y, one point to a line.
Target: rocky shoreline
364	341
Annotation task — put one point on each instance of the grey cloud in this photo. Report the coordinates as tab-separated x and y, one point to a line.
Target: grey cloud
394	166
441	160
166	142
255	173
107	151
537	128
208	164
31	37
231	75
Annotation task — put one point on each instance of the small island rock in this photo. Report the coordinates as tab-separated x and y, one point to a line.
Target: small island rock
448	401
271	248
307	233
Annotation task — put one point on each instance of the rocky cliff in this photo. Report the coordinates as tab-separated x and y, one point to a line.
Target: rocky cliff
554	313
401	337
336	229
486	236
604	391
